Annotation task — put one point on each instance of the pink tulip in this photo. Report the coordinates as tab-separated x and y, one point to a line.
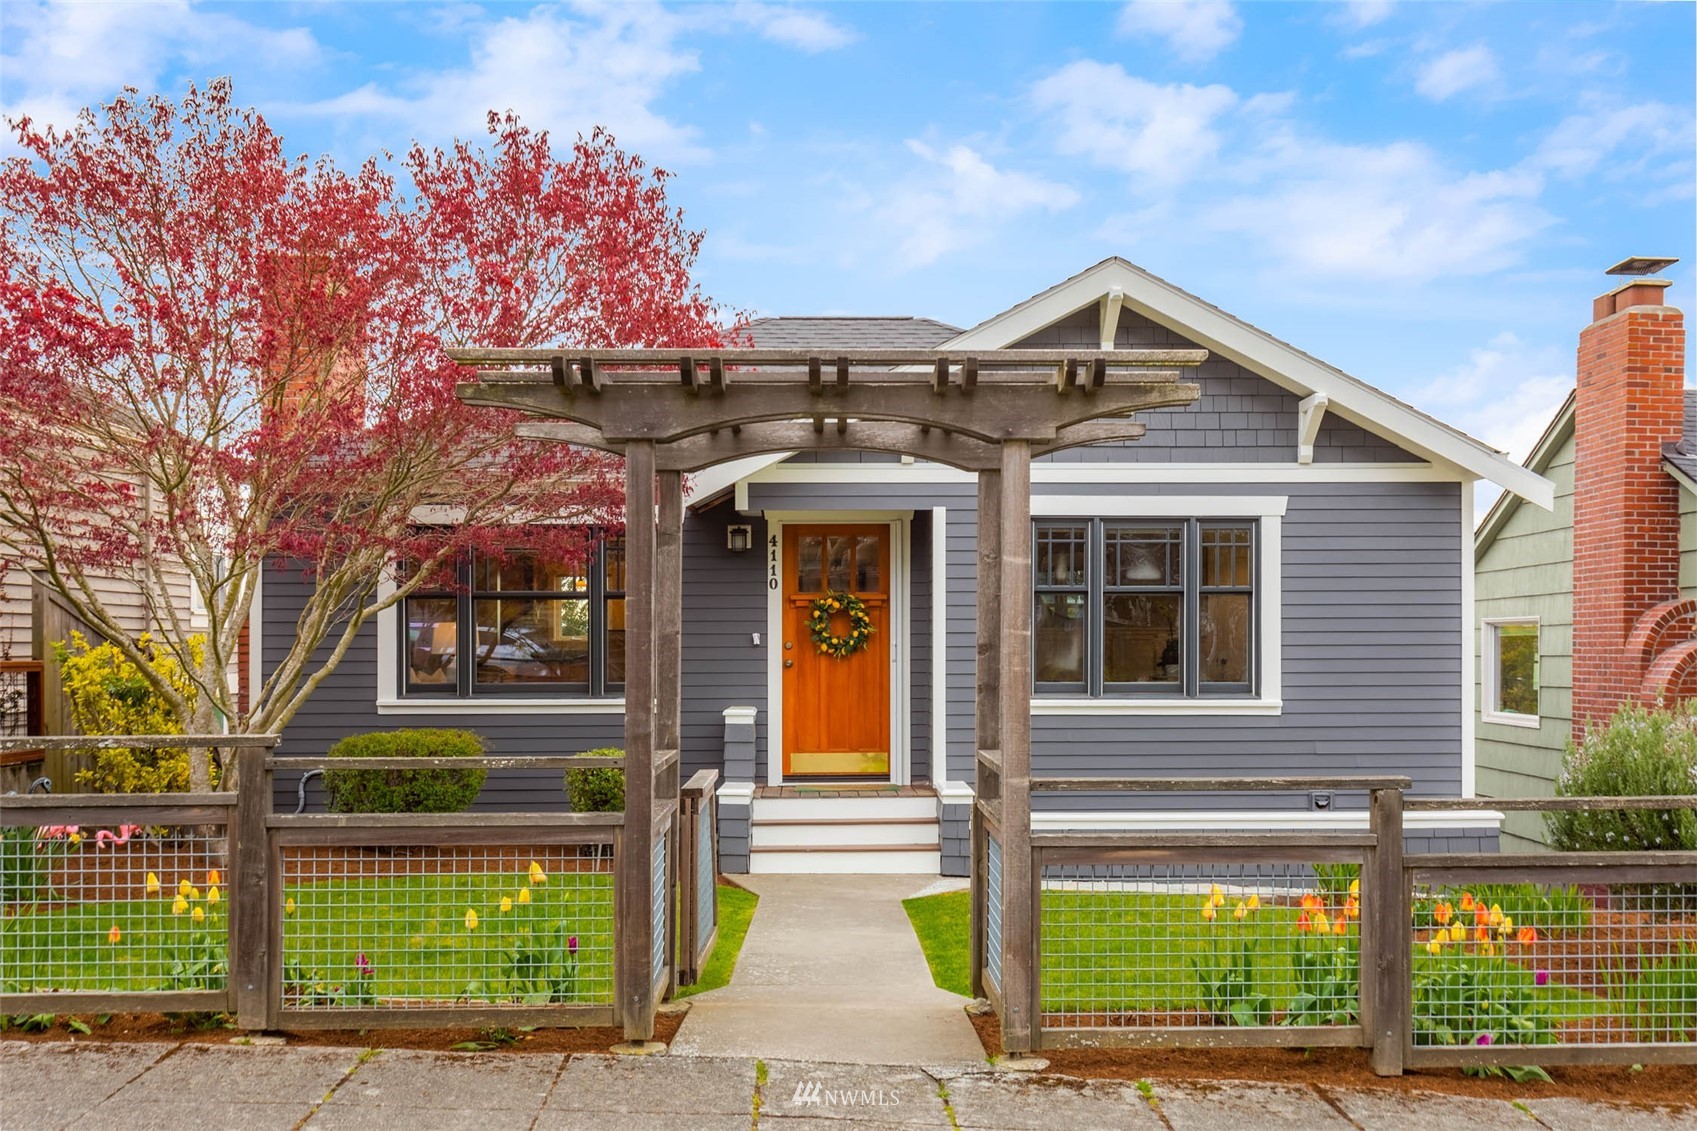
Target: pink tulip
1482	1039
1541	978
571	945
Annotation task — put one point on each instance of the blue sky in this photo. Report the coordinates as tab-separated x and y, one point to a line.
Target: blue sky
1424	194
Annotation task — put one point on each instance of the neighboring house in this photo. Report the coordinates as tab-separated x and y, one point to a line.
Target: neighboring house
1592	604
1274	580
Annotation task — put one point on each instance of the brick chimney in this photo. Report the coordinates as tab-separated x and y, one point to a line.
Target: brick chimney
1630	402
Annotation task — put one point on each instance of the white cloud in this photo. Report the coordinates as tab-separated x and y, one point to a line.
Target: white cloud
1393	211
802	28
563	70
1196	29
60	57
1505	392
1455	71
959	200
1358	14
1636	133
1161	133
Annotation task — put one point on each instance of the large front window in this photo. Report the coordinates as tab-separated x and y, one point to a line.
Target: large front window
520	625
1127	607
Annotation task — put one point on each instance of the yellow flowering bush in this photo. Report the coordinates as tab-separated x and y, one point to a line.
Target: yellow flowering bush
108	694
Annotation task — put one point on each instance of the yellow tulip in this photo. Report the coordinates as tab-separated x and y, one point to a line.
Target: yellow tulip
183	888
1355	888
289	906
179	905
152	884
537	875
1321	923
1208	911
1496	917
506	903
213	879
199	915
471	920
1436	945
76	839
1457	932
194	893
1253	901
212	895
1240	910
1216	896
524	895
114	935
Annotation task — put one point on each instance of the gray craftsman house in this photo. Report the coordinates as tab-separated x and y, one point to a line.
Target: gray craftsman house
1276	579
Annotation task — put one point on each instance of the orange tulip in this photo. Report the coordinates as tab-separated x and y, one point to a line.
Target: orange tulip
1467	901
1311	902
1340	925
1303	923
1482	934
1442	913
1481	917
1353	908
114	935
1526	936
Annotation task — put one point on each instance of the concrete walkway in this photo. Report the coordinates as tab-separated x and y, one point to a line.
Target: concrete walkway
162	1087
832	971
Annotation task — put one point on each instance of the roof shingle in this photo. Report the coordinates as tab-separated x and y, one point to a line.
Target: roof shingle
849	333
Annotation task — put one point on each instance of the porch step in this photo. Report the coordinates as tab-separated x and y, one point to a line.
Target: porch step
845	835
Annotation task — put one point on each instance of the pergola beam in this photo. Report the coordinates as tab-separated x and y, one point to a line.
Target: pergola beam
693	453
1033	413
1029	358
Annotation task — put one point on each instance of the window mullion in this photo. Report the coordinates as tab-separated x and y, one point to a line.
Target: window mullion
597	620
466	607
1095	549
1192	643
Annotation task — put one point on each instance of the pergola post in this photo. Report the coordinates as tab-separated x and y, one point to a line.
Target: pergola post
987	700
634	894
668	623
1019	884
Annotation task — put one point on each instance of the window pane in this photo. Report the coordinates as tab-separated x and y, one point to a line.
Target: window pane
1225	636
810	573
866	554
1058	636
432	639
1060	556
1517	668
613	552
839	563
1226	556
532	641
1142	555
616	640
528	573
1140	638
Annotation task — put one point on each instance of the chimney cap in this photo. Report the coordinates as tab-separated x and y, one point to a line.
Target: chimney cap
1642	265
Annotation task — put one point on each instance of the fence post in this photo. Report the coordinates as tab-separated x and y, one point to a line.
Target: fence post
1392	937
250	952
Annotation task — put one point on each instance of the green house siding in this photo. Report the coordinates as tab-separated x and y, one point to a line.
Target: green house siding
1527	571
1687	542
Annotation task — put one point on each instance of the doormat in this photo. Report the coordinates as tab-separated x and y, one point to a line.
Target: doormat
844	787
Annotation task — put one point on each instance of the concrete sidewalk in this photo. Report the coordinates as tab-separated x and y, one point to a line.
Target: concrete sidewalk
832	971
141	1087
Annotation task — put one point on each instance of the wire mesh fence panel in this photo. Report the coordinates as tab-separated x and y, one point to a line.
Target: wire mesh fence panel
706	878
432	926
1199	946
119	907
657	909
1540	964
993	911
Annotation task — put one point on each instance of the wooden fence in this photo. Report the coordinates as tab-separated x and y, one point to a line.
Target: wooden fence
1332	938
330	920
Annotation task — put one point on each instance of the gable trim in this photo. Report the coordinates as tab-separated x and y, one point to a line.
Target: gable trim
1558	432
1260	353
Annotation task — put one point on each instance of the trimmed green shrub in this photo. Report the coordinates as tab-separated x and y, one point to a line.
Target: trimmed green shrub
597	791
405	791
1640	752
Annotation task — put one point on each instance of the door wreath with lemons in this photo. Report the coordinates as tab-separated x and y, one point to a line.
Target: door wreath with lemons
824	611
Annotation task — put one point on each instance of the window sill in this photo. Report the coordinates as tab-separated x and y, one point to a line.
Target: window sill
492	706
1129	706
1528	722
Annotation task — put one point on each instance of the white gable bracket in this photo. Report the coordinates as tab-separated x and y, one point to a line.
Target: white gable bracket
1311	412
1111	304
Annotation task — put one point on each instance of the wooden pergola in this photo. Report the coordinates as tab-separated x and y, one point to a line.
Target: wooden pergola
669	412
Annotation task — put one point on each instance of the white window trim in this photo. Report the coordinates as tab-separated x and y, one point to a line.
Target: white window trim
1269	604
388	702
1490	673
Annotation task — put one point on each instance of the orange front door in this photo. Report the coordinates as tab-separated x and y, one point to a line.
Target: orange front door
836	709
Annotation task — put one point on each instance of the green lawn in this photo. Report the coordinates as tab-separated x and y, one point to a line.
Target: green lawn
412	930
1114	951
736	912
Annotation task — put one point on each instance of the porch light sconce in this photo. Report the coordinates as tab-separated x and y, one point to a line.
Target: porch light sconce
738	539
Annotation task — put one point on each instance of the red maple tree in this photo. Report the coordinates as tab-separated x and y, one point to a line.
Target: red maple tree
213	356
